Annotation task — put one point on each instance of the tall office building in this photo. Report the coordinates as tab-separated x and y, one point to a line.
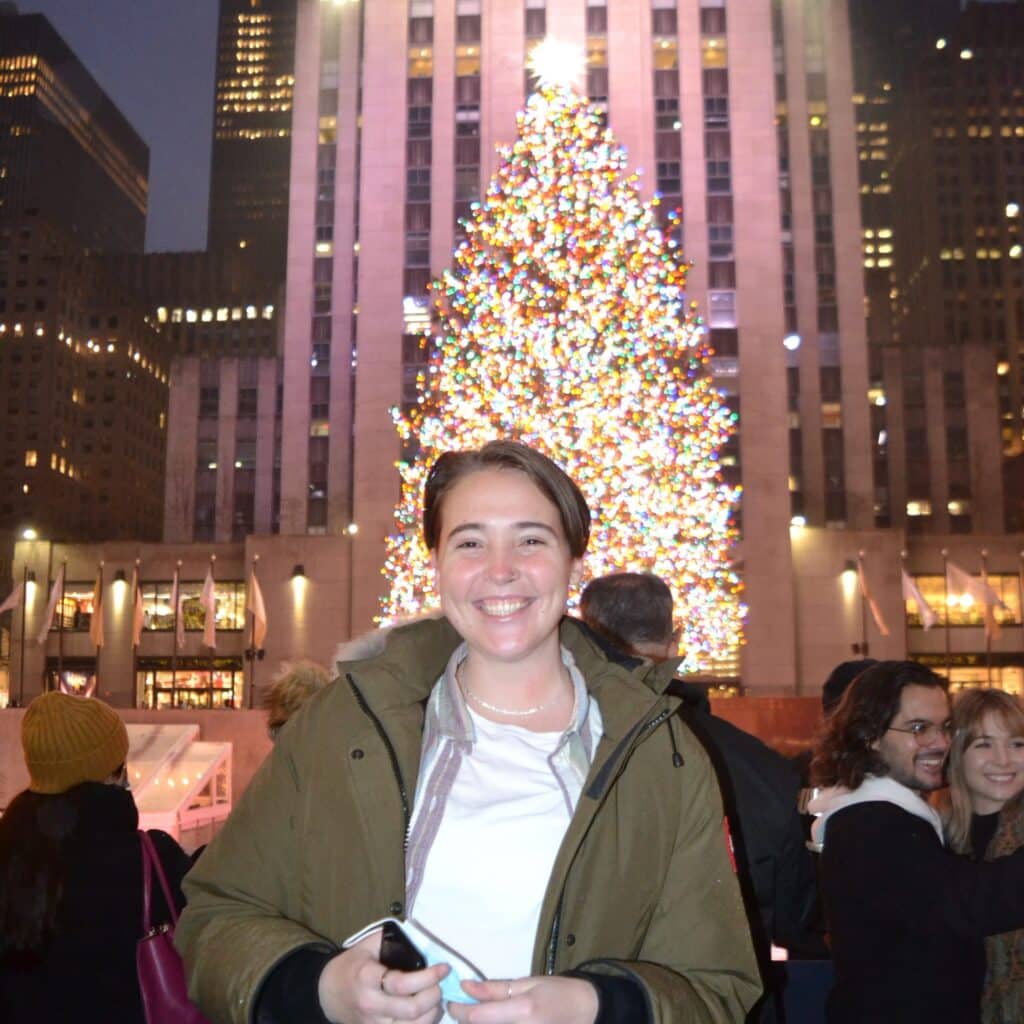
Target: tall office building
252	126
958	176
83	378
83	394
66	152
398	108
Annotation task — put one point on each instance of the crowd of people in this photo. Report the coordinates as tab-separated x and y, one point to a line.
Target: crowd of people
564	826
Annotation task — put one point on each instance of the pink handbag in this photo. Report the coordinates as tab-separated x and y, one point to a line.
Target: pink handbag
157	963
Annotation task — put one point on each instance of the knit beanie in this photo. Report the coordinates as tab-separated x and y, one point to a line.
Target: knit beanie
68	740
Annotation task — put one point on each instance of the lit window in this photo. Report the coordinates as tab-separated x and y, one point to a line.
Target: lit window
919	508
31	457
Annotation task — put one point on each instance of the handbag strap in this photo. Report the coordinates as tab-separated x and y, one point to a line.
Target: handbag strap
153	858
147	886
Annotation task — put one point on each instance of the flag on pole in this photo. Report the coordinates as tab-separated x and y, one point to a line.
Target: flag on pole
208	599
259	611
177	600
876	612
911	592
138	611
96	621
51	606
13	599
980	590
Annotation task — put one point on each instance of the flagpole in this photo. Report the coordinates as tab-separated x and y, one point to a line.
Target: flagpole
60	632
988	616
97	609
135	646
906	621
174	636
252	641
24	616
863	605
945	606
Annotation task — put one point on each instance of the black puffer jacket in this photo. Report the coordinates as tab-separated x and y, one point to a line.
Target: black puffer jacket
87	971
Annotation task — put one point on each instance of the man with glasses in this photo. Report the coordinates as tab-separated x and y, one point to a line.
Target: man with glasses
907	919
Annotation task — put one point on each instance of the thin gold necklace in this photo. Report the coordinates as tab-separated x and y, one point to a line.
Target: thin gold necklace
511	712
514	712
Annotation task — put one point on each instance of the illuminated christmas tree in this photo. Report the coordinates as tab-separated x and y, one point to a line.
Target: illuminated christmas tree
564	324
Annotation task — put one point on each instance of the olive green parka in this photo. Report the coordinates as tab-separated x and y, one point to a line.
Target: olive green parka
643	885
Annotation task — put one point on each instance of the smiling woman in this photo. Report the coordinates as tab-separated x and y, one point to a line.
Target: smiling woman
986	779
491	776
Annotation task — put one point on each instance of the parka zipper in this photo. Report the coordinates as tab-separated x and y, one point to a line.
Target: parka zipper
556	922
403	794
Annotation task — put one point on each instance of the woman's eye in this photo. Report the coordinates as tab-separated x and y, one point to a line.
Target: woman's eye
468	544
533	541
981	745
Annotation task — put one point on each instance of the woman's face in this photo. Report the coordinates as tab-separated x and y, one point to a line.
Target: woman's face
502	565
993	766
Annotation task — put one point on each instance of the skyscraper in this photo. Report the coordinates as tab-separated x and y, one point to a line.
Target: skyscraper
958	156
66	152
252	127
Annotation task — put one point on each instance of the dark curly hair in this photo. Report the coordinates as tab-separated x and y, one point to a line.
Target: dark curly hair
844	753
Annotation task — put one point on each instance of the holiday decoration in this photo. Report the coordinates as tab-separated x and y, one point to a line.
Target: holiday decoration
564	324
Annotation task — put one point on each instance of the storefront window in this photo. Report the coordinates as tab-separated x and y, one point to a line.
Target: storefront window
75	608
76	676
963	609
189	683
158	612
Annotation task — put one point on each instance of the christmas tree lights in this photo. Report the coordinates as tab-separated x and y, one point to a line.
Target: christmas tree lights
563	323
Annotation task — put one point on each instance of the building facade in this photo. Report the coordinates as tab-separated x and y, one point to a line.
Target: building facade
252	126
958	170
398	109
66	152
158	659
218	314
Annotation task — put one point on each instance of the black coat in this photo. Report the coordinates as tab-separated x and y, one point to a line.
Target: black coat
907	918
87	973
777	872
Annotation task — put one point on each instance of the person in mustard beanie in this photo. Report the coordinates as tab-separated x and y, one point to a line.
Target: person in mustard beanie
68	740
71	871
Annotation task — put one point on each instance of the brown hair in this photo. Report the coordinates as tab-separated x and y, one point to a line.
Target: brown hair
844	753
552	482
969	711
629	608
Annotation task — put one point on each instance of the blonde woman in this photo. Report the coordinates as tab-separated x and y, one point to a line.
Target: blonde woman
986	820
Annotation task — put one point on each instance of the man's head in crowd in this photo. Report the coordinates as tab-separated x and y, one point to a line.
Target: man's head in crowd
839	679
632	610
893	720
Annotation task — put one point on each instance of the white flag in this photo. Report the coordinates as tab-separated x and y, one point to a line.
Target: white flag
13	599
96	621
208	599
259	612
177	600
911	592
979	588
51	606
138	611
876	612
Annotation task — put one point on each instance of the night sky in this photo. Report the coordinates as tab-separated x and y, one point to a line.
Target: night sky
155	60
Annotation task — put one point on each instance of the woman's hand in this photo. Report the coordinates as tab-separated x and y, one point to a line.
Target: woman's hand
543	1000
355	987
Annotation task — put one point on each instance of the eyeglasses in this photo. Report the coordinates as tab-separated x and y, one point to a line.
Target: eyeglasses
924	732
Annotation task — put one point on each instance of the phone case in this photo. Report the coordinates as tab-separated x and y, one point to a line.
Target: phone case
397	950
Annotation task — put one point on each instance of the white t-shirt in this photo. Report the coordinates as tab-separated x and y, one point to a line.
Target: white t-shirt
488	867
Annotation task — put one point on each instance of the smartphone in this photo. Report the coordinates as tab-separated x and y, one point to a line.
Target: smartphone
397	950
